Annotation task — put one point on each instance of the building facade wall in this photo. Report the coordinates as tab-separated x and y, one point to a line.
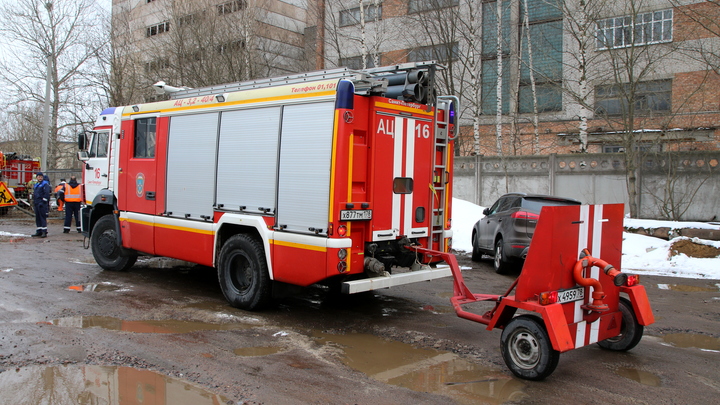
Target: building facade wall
688	125
269	33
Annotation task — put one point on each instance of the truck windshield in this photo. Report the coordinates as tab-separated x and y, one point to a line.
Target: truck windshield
98	145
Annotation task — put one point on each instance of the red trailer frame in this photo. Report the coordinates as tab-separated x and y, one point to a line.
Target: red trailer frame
569	299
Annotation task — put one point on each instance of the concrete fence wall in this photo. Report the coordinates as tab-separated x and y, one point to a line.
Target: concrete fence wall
681	184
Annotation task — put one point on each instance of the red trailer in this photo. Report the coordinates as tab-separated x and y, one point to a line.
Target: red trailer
571	292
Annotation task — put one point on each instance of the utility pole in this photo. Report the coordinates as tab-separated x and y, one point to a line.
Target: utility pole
46	112
46	117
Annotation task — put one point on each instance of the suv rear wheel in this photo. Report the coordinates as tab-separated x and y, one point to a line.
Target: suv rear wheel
500	261
476	252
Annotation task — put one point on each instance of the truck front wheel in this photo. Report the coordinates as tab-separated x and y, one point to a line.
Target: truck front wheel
243	273
106	251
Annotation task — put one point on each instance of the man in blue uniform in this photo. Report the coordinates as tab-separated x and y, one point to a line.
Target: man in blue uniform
41	203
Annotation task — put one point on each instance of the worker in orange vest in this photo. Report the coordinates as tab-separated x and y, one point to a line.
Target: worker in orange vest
72	196
60	186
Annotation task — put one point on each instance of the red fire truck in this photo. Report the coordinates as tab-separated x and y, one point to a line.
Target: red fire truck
17	170
331	176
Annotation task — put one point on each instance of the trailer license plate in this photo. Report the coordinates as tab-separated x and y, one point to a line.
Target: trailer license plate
573	294
355	215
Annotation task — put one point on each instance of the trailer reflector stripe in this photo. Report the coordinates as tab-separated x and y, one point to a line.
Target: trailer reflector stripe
580	334
594	331
582	244
595	271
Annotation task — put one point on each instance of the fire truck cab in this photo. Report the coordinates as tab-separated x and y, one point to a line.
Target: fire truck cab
331	176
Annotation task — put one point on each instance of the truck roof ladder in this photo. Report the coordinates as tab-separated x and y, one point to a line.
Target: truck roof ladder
365	80
440	163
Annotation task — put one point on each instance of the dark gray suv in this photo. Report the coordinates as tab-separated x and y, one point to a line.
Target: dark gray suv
508	226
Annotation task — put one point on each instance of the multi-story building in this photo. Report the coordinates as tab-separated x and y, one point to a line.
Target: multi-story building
204	42
574	75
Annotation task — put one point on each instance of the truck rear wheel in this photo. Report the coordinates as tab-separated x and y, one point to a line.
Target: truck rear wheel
630	331
243	273
526	348
105	249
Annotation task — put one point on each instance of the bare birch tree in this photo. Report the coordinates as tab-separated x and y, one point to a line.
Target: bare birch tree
355	32
57	41
531	68
499	84
631	59
450	32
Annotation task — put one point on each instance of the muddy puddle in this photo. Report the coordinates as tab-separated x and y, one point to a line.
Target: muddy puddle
695	340
424	370
99	287
640	376
689	288
98	385
150	326
257	351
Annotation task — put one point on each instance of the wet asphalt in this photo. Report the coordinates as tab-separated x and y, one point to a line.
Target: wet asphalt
162	332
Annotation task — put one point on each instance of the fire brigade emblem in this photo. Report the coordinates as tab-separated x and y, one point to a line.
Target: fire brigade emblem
139	184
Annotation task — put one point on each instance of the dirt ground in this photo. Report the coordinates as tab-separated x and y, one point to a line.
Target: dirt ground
163	332
692	249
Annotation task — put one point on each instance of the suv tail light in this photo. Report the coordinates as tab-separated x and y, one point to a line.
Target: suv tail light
524	215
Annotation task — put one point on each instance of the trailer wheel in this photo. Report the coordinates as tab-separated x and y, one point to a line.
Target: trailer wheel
243	273
630	331
105	249
526	348
500	261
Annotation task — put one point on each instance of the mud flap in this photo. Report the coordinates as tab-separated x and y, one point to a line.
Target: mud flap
85	220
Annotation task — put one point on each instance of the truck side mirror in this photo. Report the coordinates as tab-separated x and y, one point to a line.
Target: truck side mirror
82	142
83	155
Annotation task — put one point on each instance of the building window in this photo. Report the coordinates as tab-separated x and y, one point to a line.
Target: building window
441	53
230	47
231	7
642	29
417	6
649	148
189	19
352	16
158	29
355	62
647	98
545	39
156	65
145	138
190	56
